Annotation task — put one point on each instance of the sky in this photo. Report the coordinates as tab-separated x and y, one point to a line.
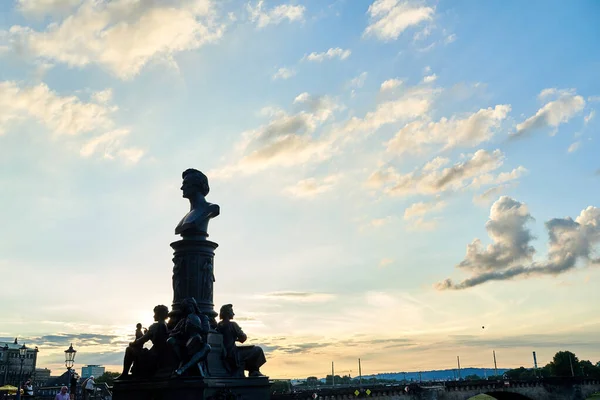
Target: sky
399	181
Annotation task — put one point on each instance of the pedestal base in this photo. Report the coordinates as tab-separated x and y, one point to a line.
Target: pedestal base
193	389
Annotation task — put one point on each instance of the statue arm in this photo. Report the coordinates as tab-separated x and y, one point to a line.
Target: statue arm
205	324
147	336
240	336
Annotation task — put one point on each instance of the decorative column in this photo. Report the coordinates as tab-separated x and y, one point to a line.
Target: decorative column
193	275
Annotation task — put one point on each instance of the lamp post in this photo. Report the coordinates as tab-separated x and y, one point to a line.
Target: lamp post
22	354
69	361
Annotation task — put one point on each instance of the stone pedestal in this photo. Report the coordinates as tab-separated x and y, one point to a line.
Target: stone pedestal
193	276
193	389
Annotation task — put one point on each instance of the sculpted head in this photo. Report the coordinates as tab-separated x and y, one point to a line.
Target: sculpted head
161	312
191	306
226	311
194	181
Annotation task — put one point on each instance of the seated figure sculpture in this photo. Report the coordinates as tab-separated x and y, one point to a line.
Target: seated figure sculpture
146	361
188	338
238	358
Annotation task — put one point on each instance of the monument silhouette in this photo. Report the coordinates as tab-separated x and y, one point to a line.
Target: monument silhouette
192	356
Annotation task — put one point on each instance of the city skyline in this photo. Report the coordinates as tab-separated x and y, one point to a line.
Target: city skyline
399	181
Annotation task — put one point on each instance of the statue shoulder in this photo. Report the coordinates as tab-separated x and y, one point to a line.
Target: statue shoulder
214	209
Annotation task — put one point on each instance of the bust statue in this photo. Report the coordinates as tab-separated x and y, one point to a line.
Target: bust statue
195	188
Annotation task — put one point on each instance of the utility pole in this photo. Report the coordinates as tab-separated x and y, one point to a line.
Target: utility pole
420	378
535	366
332	375
359	374
495	365
458	361
571	363
404	377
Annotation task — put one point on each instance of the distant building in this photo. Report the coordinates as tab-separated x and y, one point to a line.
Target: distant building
42	375
11	372
92	370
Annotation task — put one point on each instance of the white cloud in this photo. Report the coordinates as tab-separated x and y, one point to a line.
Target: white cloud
284	73
511	239
122	35
422	208
103	96
275	15
413	103
436	163
450	38
390	84
389	18
67	116
433	181
328	55
377	222
308	135
503	177
589	117
110	145
470	131
430	78
287	139
574	147
358	81
424	33
45	7
311	187
571	242
415	214
552	114
422	224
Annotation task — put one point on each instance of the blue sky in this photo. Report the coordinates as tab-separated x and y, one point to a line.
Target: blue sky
355	148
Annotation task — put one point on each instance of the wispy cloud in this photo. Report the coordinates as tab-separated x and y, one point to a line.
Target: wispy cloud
566	105
428	180
328	55
430	78
302	297
312	187
276	15
68	116
390	84
284	73
468	131
389	18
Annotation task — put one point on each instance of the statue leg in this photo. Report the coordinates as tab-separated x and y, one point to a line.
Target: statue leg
254	358
127	362
176	349
195	359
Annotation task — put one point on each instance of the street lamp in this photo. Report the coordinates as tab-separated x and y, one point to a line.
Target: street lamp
69	361
22	354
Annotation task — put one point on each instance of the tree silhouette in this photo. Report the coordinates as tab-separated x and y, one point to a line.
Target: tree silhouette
564	363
